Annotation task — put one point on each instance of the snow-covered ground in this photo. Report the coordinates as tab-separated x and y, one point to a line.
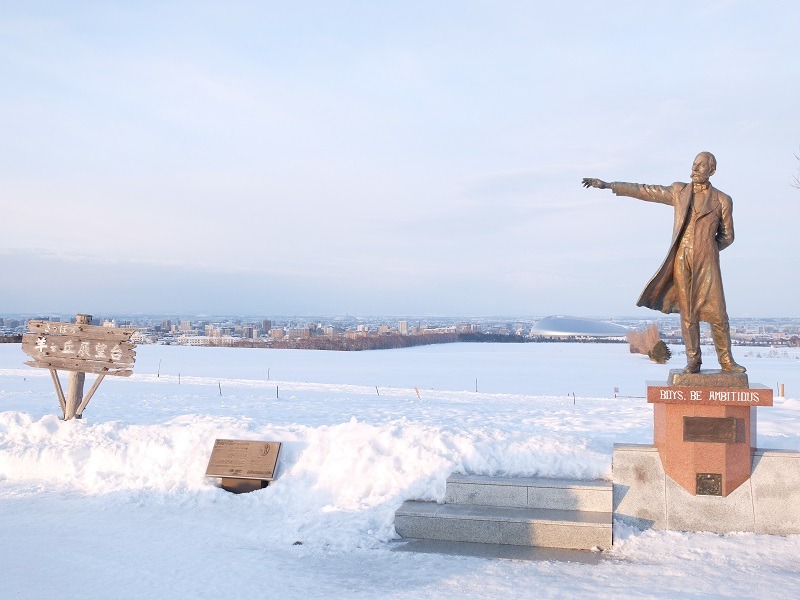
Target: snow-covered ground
117	506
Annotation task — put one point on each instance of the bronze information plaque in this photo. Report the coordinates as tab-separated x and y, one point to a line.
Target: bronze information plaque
709	429
243	459
709	484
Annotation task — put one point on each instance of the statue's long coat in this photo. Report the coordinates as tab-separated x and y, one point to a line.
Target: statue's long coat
713	232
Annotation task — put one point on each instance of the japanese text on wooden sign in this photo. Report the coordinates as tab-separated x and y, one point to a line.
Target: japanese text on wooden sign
77	347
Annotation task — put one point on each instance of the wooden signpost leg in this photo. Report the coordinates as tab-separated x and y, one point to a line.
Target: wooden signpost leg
59	392
76	379
74	393
92	390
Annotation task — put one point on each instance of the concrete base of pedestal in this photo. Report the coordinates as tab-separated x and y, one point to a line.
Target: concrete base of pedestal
644	496
708	378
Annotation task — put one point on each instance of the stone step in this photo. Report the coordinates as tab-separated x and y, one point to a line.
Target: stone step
540	527
495	551
530	492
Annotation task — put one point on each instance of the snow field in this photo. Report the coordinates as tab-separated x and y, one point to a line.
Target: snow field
124	488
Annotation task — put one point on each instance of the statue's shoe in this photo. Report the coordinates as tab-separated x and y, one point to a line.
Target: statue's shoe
692	368
733	367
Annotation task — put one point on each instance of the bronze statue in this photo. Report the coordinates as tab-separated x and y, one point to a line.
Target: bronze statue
689	281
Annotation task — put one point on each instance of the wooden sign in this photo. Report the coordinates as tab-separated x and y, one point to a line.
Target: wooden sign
243	459
120	334
81	348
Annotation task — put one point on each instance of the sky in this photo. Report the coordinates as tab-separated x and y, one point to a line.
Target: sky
386	158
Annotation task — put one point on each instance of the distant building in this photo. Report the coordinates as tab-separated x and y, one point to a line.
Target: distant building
141	337
294	333
204	340
402	327
563	327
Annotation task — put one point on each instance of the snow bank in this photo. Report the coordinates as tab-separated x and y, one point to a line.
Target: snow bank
355	471
338	485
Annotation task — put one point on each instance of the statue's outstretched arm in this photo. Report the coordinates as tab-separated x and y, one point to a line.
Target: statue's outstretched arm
651	193
595	183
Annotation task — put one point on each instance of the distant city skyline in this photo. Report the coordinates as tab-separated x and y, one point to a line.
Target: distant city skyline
416	158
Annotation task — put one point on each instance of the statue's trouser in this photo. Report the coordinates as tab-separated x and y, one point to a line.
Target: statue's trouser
691	339
682	277
721	334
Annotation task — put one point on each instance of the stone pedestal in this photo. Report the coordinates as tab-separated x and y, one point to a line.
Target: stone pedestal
704	427
767	503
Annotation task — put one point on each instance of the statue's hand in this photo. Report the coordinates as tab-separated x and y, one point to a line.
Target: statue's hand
596	183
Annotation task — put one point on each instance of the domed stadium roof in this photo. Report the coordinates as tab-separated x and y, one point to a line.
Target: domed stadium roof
559	326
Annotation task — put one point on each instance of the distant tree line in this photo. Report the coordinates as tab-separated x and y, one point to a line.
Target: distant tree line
386	342
372	342
495	338
15	338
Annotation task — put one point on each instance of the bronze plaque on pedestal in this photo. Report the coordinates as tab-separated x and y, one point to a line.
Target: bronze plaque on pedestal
709	429
709	484
243	459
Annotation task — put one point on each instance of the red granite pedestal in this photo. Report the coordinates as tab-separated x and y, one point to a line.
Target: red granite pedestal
704	427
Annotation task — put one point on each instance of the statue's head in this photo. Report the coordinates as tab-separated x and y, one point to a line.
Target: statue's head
703	167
